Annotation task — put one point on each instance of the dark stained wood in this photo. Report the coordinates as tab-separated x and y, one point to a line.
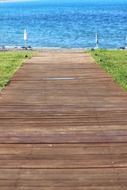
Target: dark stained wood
63	126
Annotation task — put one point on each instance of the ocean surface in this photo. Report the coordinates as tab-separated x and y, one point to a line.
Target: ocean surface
69	25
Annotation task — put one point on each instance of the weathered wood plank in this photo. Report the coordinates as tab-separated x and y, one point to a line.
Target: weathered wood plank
64	188
63	177
63	156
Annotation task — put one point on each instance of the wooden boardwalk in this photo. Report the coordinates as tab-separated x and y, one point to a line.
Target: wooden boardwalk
63	126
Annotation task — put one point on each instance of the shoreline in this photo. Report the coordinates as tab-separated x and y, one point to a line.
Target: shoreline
47	50
54	49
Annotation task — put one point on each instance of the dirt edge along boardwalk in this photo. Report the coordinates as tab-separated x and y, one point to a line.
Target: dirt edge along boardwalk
63	126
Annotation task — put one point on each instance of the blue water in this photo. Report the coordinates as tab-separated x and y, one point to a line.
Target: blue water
63	25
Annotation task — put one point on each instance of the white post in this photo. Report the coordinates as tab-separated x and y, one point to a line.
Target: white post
25	38
97	41
126	42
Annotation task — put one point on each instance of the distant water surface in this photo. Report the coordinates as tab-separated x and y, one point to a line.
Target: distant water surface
64	26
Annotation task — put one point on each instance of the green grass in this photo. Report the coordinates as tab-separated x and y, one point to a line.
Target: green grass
114	62
10	62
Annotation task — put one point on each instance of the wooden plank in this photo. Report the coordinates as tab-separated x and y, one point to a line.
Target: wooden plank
63	177
64	188
36	134
58	156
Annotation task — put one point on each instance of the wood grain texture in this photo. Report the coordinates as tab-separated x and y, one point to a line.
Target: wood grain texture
63	126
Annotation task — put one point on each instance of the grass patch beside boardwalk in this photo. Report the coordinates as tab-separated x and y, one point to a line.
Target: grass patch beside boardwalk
10	62
114	62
